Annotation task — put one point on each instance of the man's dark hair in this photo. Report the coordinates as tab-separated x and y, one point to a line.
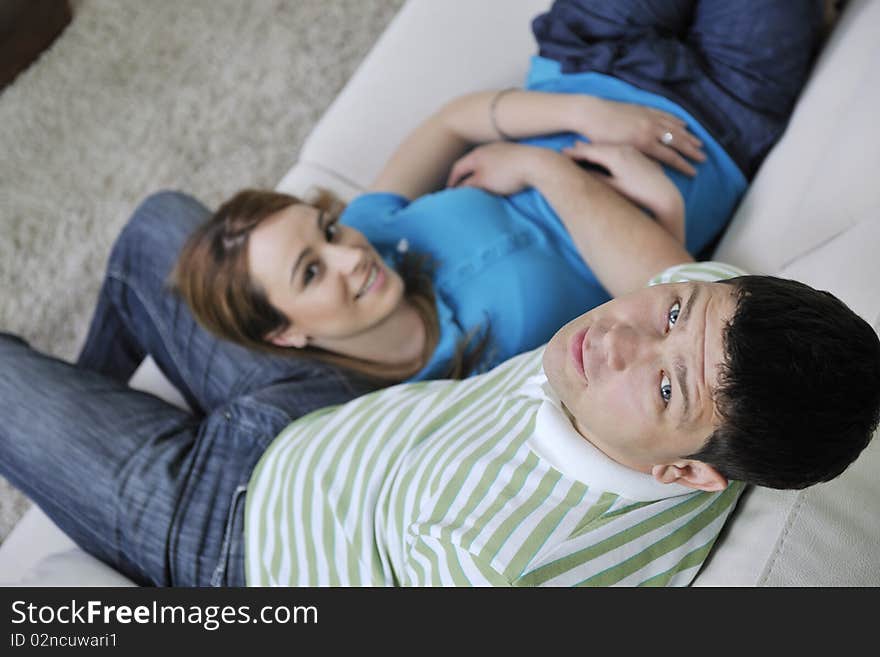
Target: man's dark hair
799	389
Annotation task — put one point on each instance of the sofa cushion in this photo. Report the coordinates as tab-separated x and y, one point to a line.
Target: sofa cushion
71	567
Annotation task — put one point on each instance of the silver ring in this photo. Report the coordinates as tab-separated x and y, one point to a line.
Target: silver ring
667	138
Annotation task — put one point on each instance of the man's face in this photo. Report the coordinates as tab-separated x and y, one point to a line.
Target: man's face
637	374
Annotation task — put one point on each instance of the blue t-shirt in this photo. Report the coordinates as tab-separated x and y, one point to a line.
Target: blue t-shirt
508	264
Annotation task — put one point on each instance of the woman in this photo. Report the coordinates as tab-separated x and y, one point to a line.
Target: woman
166	487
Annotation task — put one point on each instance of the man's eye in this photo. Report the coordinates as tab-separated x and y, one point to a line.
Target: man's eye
310	272
672	315
665	389
331	231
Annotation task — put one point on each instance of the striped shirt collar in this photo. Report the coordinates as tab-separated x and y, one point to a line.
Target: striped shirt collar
556	441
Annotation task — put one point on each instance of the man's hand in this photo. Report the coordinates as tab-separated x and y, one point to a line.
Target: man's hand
611	122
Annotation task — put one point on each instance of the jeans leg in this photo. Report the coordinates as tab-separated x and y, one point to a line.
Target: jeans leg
206	544
139	314
613	37
83	446
756	58
138	483
736	65
110	348
760	52
604	20
127	324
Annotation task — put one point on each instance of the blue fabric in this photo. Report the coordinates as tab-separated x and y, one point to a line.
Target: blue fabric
494	268
710	197
736	65
137	314
508	264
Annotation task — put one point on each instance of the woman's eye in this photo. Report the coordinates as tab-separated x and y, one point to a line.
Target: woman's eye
672	315
665	389
310	272
331	231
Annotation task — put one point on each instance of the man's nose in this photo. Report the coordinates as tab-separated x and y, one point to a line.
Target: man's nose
626	347
343	259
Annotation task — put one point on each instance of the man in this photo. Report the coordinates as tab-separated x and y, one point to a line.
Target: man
614	463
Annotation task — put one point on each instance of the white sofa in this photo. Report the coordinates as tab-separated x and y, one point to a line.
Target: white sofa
813	213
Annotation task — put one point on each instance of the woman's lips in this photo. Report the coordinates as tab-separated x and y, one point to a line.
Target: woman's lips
380	279
375	279
576	348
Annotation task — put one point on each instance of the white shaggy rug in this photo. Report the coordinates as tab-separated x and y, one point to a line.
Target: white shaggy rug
206	96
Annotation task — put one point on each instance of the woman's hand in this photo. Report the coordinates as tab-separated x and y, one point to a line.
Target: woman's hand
500	167
638	178
612	122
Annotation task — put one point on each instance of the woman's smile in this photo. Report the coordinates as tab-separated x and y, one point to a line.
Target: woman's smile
373	283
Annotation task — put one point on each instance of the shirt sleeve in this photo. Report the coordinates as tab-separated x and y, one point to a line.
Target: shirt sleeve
626	543
368	210
697	271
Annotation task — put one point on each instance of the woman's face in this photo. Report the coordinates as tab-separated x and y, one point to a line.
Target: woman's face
326	278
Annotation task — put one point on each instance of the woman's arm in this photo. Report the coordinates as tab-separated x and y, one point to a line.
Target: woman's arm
421	162
622	245
640	179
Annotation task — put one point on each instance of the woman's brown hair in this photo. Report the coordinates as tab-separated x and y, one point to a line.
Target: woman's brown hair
213	278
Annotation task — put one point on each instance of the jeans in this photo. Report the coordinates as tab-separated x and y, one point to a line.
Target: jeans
154	491
134	481
736	65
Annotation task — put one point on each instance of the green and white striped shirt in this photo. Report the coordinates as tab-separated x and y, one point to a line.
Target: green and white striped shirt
449	483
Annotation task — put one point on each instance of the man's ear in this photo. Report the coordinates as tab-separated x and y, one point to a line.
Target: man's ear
690	473
287	337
